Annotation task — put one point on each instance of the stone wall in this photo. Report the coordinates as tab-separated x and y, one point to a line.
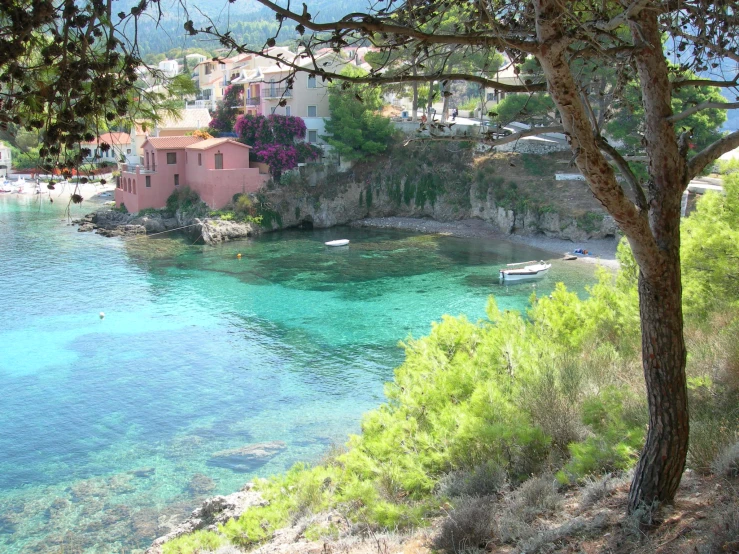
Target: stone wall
306	202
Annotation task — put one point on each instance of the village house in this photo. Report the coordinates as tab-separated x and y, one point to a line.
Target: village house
184	123
214	76
216	168
121	148
307	98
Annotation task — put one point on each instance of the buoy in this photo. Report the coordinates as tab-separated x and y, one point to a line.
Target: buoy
102	315
238	256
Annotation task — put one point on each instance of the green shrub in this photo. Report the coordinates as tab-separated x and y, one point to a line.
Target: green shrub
184	199
618	434
194	543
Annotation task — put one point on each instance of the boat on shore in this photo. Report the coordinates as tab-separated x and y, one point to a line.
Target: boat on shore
530	270
339	242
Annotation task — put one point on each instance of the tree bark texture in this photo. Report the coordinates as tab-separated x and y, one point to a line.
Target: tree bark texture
654	235
662	461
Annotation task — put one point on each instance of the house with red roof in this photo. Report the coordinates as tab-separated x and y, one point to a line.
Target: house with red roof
109	147
215	168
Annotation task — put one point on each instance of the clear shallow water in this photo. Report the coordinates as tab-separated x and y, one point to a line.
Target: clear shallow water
108	427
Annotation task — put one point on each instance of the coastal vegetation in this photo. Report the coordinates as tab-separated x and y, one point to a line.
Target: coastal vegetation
570	47
521	406
356	129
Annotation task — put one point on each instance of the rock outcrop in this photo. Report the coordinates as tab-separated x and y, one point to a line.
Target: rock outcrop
111	223
212	512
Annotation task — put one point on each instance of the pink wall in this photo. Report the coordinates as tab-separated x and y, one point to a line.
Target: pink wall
217	187
144	197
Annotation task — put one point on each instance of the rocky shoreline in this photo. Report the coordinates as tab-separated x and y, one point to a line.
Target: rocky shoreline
111	223
601	250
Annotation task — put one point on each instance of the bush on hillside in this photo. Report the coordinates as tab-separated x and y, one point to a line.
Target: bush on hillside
477	407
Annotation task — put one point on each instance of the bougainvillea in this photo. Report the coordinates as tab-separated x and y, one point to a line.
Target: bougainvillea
227	109
276	140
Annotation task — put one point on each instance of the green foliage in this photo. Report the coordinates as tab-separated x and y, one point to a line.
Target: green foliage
710	250
184	199
617	437
525	108
727	167
590	221
149	211
122	208
199	541
368	197
355	129
628	119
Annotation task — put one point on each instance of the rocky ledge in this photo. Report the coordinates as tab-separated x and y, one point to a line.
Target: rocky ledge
111	223
211	513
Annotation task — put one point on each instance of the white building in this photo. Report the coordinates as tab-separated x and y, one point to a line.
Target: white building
170	68
5	160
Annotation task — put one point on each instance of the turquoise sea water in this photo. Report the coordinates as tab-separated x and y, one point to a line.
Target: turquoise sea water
108	427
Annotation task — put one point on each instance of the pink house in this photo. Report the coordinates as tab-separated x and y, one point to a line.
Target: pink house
215	168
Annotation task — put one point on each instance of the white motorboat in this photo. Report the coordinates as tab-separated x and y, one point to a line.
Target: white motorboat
530	270
340	242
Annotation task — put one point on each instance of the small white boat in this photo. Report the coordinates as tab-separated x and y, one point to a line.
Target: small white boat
530	270
340	242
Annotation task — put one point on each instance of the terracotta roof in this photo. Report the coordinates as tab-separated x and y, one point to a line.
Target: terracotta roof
112	138
171	142
213	142
189	119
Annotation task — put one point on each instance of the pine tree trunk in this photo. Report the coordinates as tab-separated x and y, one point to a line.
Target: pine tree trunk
653	230
662	461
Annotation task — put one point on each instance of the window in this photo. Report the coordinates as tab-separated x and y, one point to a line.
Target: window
128	150
208	69
171	158
148	181
312	111
219	161
311	81
200	159
491	96
312	136
176	180
287	111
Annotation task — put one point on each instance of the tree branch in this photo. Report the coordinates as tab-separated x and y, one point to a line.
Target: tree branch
623	17
623	167
374	24
711	153
676	85
375	78
703	106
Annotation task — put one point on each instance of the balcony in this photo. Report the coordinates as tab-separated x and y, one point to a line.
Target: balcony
139	169
253	101
277	92
193	104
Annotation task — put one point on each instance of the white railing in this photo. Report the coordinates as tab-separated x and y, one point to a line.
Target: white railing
194	104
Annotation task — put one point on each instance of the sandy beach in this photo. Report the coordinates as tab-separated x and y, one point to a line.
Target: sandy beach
602	251
63	191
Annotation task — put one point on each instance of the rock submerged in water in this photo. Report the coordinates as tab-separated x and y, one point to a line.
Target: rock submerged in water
246	458
201	484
